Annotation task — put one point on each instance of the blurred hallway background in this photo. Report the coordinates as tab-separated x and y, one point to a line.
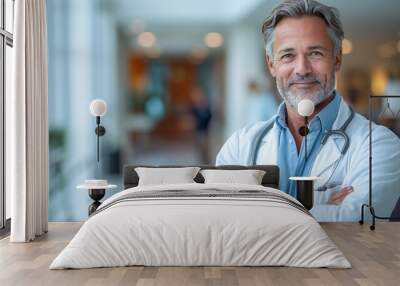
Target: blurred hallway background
179	77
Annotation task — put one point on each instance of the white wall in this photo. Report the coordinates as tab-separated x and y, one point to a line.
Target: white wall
244	61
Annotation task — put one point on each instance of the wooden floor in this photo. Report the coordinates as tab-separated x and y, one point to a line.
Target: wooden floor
374	255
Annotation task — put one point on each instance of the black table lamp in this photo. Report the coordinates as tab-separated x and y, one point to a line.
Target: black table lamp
305	188
98	108
305	108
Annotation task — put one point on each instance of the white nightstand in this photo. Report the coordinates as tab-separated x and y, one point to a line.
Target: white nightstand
96	193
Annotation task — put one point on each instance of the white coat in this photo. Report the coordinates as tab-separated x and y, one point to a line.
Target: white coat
352	169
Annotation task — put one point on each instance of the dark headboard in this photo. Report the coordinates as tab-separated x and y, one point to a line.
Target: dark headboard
270	179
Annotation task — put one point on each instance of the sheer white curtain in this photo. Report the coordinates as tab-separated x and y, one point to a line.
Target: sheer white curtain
27	124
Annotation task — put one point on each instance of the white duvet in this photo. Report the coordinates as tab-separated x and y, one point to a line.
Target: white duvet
200	231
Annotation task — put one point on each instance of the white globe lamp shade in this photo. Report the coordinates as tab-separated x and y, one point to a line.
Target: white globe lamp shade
98	107
305	107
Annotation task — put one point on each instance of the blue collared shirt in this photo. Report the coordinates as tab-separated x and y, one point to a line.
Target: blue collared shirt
292	163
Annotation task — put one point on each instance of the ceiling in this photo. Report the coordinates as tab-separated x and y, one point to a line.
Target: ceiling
192	12
181	24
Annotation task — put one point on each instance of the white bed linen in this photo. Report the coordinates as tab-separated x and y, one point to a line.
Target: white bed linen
200	231
163	176
248	177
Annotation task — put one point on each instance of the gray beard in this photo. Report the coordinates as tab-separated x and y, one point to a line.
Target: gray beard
293	100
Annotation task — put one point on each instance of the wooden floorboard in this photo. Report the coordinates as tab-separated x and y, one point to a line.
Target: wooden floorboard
374	255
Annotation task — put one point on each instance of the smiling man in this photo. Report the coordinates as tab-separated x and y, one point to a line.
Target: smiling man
303	52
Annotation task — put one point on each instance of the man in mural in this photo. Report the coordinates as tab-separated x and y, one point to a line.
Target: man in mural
303	53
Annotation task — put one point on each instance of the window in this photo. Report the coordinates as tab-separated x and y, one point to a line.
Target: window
6	44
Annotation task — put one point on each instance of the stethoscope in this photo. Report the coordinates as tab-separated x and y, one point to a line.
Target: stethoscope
340	132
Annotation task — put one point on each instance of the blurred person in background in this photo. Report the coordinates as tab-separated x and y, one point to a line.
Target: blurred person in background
201	113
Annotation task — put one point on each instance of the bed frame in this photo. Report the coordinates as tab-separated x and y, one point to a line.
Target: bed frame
270	179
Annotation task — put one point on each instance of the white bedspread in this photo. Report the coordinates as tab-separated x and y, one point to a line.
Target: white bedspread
200	231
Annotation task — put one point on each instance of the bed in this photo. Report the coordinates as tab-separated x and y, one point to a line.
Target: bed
201	224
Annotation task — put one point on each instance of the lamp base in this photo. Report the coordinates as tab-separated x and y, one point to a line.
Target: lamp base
96	195
305	190
305	193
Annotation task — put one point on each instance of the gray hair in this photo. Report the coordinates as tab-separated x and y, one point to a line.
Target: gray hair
298	8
